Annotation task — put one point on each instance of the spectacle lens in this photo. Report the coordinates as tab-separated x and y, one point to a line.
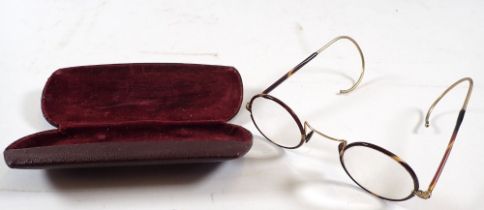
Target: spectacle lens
379	173
275	122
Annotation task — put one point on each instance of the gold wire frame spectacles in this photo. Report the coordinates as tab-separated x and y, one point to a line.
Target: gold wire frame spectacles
307	131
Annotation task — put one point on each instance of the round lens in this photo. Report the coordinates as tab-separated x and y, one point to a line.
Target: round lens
379	173
275	122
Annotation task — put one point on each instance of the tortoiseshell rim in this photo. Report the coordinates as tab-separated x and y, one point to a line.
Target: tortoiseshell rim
343	148
306	136
289	110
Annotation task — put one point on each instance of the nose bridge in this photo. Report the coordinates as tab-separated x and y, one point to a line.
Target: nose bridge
309	131
309	135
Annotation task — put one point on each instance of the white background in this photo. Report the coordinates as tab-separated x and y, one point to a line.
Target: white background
414	50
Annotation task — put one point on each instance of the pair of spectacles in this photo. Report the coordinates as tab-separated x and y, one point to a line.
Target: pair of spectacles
373	168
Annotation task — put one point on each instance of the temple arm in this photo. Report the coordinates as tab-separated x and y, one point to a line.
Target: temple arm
460	118
313	55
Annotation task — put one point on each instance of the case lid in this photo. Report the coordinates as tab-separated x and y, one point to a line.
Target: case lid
119	93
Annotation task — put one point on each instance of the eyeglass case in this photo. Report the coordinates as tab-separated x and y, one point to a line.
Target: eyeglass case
132	114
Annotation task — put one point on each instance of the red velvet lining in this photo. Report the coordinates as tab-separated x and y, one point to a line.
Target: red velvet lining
134	92
129	144
132	132
136	114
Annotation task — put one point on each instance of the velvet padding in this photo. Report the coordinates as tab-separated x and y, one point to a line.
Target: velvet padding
134	92
135	114
129	144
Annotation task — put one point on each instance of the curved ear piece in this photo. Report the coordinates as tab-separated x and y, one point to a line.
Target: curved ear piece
426	194
313	55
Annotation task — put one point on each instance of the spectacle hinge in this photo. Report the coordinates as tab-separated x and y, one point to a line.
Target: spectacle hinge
423	194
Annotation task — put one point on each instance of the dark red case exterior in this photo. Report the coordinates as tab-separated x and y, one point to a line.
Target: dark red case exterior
134	114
